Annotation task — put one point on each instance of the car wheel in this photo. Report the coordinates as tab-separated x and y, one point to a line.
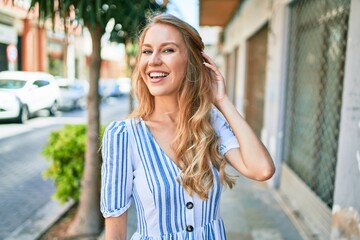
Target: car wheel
54	108
23	115
81	103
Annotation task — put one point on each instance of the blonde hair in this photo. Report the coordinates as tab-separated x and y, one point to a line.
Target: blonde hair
196	143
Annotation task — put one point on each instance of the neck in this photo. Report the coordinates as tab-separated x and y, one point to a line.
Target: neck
165	109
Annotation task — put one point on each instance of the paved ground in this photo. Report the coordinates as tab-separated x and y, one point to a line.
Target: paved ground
250	212
23	189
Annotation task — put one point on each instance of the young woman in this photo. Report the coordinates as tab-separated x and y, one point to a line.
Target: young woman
170	156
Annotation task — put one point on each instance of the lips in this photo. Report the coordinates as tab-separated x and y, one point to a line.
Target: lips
157	76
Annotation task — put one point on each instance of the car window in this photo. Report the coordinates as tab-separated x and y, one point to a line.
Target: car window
11	84
41	83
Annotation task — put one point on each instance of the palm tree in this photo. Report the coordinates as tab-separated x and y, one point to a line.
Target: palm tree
95	15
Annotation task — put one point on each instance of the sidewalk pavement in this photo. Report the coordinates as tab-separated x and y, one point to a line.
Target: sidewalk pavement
251	211
40	221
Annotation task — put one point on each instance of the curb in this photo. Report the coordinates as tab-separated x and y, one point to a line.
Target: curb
41	221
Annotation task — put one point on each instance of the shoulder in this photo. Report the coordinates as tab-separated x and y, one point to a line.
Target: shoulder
116	127
218	121
215	113
216	117
121	127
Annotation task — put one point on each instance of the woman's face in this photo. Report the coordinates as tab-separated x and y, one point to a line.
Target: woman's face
163	60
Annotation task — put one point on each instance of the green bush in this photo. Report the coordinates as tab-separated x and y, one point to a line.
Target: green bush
66	152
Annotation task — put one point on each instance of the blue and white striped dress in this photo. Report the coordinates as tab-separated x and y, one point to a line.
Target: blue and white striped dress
136	168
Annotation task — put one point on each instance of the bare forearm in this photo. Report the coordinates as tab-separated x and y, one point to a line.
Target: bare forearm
254	156
115	228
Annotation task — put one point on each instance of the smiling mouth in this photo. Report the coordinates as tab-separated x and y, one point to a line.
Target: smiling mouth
158	75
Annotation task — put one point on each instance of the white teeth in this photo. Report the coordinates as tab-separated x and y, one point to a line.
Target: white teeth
158	74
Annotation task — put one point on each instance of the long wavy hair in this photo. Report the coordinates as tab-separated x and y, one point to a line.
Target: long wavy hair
196	143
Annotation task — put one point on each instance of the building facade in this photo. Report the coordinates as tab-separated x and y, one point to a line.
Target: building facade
37	48
12	27
290	68
28	45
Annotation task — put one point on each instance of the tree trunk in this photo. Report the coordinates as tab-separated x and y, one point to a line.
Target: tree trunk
130	59
88	221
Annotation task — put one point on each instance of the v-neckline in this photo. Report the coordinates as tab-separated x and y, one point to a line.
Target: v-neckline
158	146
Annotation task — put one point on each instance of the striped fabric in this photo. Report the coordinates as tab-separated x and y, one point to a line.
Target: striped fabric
136	168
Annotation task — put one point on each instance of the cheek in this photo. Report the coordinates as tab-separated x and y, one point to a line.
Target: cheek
182	66
142	67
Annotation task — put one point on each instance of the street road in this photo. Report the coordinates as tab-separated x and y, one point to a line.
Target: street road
23	191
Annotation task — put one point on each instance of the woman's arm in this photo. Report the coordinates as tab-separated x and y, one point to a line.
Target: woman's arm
252	158
115	227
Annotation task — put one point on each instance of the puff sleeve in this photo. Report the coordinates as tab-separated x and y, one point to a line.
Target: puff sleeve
224	132
116	171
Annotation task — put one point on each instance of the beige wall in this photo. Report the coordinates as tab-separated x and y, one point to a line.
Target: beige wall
252	16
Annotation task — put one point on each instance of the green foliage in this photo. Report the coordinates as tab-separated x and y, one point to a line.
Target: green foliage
66	152
127	15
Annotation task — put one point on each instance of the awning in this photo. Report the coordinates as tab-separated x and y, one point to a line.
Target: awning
217	12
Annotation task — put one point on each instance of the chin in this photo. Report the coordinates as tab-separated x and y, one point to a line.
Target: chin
156	93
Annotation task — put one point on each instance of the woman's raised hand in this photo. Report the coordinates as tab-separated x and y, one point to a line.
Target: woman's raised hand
218	87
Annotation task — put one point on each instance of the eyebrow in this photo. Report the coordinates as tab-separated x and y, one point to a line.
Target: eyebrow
163	44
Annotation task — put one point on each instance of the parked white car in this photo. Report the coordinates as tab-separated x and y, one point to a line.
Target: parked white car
124	85
22	94
73	94
114	87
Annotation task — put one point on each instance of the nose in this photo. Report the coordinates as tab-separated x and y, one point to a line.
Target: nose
155	59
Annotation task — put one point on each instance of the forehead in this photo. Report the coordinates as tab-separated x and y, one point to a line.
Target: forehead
160	33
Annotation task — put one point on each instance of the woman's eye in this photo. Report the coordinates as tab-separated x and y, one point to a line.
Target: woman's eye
168	50
146	51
